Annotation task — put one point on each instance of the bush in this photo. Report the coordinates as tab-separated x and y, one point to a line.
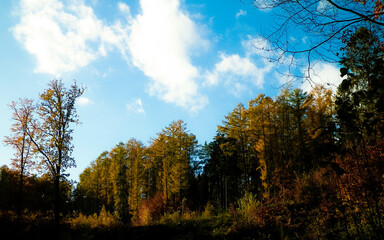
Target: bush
144	216
247	209
103	220
171	218
208	211
151	210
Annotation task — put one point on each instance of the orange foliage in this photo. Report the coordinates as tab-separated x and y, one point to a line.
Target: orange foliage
362	188
151	210
363	180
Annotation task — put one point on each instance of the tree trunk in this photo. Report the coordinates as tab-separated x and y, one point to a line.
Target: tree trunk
20	201
57	200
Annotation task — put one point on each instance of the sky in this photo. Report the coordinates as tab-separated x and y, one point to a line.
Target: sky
144	64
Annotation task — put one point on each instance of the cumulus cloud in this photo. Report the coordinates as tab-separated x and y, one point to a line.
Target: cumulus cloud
83	101
161	43
241	13
324	6
135	106
236	72
60	37
325	74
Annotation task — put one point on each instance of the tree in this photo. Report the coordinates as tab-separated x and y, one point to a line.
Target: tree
262	113
236	127
136	173
360	101
299	102
53	133
157	168
318	26
321	126
121	185
21	142
171	153
360	114
181	148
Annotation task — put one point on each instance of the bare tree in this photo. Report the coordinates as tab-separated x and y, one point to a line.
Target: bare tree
321	25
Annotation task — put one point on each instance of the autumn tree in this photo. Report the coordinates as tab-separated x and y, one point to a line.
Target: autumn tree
20	141
236	127
157	168
359	105
171	154
116	180
262	113
321	126
299	103
103	167
119	171
137	160
56	113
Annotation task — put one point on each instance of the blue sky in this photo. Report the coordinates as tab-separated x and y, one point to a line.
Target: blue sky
144	64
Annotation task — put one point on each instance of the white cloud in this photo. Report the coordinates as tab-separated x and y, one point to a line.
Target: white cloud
236	72
59	36
324	74
161	42
136	106
124	8
260	46
241	13
324	6
263	5
83	101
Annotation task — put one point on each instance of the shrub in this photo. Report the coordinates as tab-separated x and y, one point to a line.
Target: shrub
208	211
247	207
144	216
151	210
103	220
171	218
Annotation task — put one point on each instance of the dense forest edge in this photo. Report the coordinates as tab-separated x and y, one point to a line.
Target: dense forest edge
296	166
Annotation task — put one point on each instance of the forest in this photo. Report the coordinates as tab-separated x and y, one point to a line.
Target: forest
300	165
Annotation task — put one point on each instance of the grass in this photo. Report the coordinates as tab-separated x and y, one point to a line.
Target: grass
171	226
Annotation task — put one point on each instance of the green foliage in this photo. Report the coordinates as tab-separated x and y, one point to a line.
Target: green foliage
360	101
247	207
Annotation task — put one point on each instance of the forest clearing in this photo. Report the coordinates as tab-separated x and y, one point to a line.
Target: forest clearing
295	162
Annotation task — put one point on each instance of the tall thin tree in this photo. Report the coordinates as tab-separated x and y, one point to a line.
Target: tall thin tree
20	140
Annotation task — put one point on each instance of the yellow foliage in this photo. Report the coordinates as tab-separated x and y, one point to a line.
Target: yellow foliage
145	217
208	211
103	220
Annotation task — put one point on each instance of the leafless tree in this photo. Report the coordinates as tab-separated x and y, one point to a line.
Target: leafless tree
322	27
